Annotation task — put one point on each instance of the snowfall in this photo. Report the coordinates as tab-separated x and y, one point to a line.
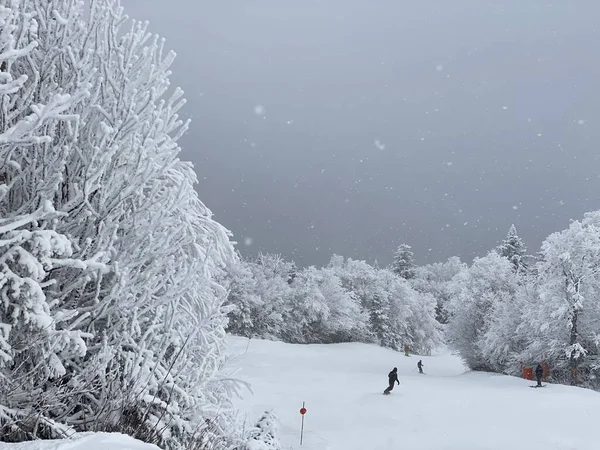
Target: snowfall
341	385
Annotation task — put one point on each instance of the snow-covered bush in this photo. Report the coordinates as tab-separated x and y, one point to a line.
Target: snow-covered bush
263	436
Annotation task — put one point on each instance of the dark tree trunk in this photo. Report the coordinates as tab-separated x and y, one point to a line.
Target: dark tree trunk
574	358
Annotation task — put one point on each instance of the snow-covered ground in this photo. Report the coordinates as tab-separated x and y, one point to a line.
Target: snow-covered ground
84	441
448	408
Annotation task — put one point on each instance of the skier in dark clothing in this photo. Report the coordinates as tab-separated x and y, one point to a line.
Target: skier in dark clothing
392	378
539	371
420	366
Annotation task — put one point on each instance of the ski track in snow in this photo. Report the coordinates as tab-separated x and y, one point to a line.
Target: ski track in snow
449	408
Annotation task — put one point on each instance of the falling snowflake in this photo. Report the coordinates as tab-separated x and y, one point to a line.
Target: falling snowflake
379	144
248	241
289	122
439	68
581	122
259	110
505	108
449	163
515	207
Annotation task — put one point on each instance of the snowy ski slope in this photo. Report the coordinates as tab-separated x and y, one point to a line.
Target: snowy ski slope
448	408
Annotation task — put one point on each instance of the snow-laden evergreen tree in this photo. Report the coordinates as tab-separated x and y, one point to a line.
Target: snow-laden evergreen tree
88	124
479	292
514	250
563	327
404	262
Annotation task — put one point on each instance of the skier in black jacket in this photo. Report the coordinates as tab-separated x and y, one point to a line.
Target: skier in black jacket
539	371
420	366
392	378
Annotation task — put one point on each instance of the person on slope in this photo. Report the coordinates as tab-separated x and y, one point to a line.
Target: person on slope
420	366
539	371
392	378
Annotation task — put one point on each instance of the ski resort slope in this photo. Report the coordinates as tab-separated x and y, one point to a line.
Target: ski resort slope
445	409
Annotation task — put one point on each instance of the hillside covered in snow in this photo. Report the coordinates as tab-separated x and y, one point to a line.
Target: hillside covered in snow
448	408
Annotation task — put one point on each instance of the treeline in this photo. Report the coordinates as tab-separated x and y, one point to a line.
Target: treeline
505	310
345	301
509	309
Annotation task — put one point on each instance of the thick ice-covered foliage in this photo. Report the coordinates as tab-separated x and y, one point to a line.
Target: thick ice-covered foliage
480	292
110	228
563	327
436	280
346	301
503	316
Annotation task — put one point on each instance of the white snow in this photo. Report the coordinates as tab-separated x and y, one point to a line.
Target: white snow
84	441
446	409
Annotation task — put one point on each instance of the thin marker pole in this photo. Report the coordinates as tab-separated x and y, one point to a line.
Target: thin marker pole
302	429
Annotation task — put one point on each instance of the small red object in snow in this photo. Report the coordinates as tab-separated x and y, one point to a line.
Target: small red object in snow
302	411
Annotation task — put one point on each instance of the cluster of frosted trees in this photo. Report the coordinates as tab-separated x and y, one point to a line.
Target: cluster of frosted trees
345	301
508	309
110	318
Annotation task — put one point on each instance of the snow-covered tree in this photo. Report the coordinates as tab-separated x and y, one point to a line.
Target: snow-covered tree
245	315
479	292
346	322
563	326
514	250
37	333
404	264
306	312
504	340
88	125
436	279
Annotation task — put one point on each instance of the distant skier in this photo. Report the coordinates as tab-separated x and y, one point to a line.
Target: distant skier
392	378
420	366
539	371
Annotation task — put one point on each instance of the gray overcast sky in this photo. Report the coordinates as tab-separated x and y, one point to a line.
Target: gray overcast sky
350	126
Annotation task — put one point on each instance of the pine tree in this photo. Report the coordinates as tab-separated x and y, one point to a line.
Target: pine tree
403	264
514	250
